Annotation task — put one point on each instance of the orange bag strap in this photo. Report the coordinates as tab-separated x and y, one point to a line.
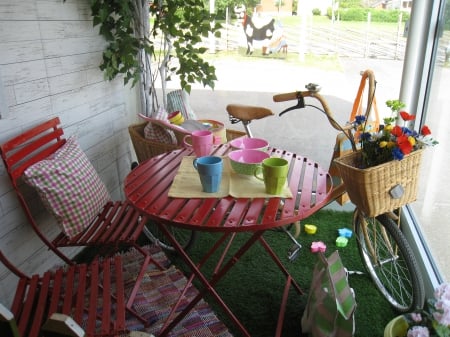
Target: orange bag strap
374	122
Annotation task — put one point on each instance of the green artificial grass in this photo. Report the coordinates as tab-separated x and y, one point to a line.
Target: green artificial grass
253	287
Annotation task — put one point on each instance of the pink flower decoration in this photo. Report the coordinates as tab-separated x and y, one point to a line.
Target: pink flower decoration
318	246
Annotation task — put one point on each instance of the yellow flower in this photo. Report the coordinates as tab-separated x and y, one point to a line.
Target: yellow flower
383	144
388	127
412	140
390	145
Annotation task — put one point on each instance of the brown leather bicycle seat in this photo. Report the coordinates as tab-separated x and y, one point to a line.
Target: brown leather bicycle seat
248	112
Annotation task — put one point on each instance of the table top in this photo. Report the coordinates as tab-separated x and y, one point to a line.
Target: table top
147	188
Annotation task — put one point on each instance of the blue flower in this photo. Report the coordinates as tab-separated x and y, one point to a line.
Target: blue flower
397	153
407	131
365	136
360	119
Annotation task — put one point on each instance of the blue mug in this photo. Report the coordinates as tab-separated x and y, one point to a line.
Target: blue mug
210	170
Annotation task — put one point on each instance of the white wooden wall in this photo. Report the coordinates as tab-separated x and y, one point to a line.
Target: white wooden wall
49	58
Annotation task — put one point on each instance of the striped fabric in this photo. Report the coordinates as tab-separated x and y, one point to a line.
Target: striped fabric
331	302
178	100
69	187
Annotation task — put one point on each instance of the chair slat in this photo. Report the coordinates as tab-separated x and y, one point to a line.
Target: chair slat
105	296
80	297
25	312
41	304
69	292
57	291
94	281
120	294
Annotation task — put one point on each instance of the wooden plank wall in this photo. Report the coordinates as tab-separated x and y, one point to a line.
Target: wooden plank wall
49	58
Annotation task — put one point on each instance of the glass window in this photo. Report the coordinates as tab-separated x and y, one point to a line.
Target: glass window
433	207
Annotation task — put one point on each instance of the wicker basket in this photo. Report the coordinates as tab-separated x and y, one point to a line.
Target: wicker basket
146	148
382	188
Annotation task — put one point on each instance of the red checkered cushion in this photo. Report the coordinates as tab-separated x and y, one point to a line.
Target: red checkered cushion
159	134
69	187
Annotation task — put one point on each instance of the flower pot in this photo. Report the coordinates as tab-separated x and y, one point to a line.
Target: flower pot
397	327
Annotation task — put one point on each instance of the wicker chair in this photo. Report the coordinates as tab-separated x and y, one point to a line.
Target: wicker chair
146	148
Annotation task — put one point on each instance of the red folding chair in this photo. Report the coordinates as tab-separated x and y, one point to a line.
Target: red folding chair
115	224
92	294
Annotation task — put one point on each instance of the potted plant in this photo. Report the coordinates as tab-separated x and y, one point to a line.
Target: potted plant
433	322
149	40
382	175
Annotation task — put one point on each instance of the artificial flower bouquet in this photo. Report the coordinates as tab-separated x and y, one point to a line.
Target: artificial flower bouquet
394	140
434	322
382	174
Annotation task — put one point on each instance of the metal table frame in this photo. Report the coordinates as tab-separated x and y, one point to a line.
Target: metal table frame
147	189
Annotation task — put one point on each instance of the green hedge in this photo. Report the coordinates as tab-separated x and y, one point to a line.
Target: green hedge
377	15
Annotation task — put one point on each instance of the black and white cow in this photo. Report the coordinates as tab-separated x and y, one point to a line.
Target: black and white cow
256	32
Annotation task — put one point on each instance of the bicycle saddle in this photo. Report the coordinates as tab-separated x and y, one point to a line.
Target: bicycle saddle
248	112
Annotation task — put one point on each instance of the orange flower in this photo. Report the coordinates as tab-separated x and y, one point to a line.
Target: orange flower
406	116
397	131
425	130
404	144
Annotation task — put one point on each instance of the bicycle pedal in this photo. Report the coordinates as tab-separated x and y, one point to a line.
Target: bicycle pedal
293	252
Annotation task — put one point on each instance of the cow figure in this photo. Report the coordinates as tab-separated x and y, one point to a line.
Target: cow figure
259	32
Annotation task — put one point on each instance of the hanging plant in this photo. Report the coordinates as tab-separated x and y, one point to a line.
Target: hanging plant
149	40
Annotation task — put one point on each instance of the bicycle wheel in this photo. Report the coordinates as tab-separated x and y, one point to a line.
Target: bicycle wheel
390	261
185	237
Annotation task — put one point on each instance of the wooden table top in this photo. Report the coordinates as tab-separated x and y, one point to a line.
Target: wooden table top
147	188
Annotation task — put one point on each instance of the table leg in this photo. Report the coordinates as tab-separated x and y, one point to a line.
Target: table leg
220	272
209	286
280	264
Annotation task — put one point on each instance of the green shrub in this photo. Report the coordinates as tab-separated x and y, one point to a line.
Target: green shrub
316	11
377	15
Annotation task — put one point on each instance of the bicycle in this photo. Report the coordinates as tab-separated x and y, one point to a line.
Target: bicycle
384	250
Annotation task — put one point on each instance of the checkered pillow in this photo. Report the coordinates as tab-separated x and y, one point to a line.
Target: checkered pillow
158	133
69	187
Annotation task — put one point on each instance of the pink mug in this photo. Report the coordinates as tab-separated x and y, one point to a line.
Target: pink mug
201	141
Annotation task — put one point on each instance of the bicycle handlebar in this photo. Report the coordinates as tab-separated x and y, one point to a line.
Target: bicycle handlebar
299	95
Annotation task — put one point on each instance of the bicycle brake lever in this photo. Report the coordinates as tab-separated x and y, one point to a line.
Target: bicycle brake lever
300	105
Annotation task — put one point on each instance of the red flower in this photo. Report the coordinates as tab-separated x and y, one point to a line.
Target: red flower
425	131
404	144
397	131
406	116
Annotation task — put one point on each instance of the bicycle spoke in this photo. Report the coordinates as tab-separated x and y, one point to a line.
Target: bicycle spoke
388	258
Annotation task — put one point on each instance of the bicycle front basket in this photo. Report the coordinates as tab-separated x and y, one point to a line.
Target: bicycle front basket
382	188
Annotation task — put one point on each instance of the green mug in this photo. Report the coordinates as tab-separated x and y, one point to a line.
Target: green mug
274	174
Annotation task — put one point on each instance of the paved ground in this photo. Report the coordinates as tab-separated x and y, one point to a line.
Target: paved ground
255	81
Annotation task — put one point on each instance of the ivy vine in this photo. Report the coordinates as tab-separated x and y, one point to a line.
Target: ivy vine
140	33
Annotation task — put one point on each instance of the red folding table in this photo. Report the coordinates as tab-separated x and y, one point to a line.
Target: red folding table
147	188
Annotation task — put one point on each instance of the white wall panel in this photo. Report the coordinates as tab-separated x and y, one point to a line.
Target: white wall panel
49	58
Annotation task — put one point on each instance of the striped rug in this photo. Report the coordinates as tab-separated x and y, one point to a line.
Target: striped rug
158	293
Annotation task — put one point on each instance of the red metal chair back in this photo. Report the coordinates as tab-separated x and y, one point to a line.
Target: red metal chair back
26	149
30	147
